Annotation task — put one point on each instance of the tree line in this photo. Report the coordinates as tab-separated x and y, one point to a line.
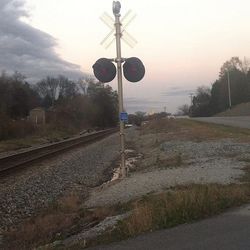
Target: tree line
71	104
209	101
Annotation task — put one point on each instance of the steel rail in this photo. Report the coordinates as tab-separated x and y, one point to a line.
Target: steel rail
15	160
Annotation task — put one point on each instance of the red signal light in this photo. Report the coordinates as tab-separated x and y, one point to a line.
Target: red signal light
104	70
133	69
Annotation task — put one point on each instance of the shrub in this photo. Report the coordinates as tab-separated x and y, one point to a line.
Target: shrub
10	129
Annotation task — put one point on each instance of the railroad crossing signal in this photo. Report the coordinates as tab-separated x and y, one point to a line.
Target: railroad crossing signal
105	71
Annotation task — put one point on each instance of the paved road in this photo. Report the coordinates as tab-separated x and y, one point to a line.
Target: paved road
235	121
229	231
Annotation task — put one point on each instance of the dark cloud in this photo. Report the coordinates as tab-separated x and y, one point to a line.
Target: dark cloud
26	49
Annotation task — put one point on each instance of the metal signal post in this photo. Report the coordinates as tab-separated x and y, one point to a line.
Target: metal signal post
119	60
133	69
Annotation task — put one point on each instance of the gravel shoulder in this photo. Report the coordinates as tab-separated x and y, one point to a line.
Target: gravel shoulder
203	163
140	184
175	153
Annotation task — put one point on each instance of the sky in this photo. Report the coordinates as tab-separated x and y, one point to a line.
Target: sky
182	43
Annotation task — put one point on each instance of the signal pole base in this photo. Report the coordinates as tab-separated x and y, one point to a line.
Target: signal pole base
123	173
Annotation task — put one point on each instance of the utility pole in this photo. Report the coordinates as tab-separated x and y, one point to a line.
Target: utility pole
191	97
229	90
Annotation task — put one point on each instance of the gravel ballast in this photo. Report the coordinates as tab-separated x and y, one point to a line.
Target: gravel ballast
36	187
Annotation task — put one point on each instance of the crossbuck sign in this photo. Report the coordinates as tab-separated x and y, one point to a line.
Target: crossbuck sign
125	36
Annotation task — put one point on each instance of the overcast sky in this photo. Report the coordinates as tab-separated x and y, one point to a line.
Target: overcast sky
182	43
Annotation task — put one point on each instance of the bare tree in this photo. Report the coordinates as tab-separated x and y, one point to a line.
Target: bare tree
246	65
48	87
84	82
67	88
183	109
235	64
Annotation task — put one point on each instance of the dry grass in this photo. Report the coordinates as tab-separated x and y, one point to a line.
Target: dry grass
246	177
50	223
136	223
161	126
40	135
42	228
242	109
63	218
181	205
69	203
15	129
186	129
175	160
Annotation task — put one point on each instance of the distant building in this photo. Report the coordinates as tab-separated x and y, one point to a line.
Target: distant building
37	116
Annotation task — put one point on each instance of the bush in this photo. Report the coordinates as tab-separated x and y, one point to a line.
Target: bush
10	129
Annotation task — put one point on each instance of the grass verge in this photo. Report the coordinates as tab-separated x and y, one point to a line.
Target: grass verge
194	130
181	205
246	177
60	220
41	135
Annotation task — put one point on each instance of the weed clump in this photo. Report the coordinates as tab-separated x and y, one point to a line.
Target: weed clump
181	205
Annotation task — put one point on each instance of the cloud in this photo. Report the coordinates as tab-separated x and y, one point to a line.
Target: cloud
132	100
133	104
26	49
177	92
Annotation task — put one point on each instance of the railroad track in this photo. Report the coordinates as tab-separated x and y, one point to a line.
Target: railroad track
13	161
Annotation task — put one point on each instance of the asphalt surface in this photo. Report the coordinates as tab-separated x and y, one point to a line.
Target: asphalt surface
234	121
229	231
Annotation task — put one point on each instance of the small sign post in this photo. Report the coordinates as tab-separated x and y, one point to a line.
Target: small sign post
124	116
